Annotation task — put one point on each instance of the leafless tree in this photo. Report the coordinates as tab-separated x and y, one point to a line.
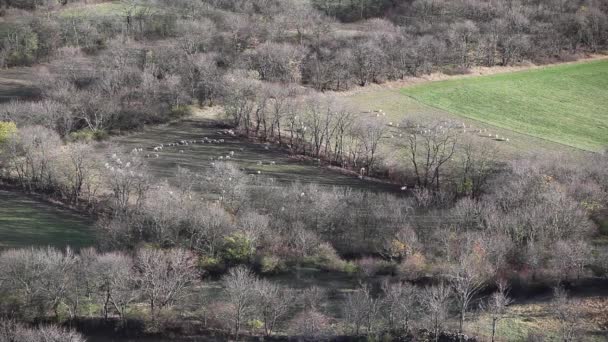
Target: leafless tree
361	310
239	285
570	257
370	132
467	277
400	305
497	304
79	170
568	313
228	183
39	277
115	281
126	176
428	150
30	154
310	322
274	302
164	276
209	225
477	165
12	331
435	299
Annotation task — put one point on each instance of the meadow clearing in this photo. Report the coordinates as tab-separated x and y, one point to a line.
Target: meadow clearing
260	159
25	221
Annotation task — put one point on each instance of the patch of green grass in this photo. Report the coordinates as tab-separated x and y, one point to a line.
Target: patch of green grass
567	104
27	222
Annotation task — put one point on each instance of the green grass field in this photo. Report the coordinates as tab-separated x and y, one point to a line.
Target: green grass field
27	222
567	104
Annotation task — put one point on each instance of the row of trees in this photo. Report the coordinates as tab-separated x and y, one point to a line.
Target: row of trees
12	331
38	283
291	41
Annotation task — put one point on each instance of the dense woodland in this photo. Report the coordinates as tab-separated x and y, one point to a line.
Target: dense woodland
468	226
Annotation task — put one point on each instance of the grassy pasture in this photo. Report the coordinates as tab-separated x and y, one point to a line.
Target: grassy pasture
247	155
18	83
27	222
566	104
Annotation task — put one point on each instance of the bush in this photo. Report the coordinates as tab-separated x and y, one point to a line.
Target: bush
211	265
327	259
237	249
413	267
7	129
270	264
372	266
87	135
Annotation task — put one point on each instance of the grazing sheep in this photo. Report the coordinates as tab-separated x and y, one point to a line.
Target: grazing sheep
181	151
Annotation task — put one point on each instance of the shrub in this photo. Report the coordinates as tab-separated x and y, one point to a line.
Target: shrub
211	265
350	267
237	249
413	267
87	135
7	129
270	264
327	259
372	266
255	324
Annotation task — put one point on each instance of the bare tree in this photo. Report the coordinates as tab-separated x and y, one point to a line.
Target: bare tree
361	310
113	275
274	301
435	299
30	154
127	178
79	171
568	312
239	285
467	277
477	165
370	132
400	305
12	331
164	276
428	150
496	306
